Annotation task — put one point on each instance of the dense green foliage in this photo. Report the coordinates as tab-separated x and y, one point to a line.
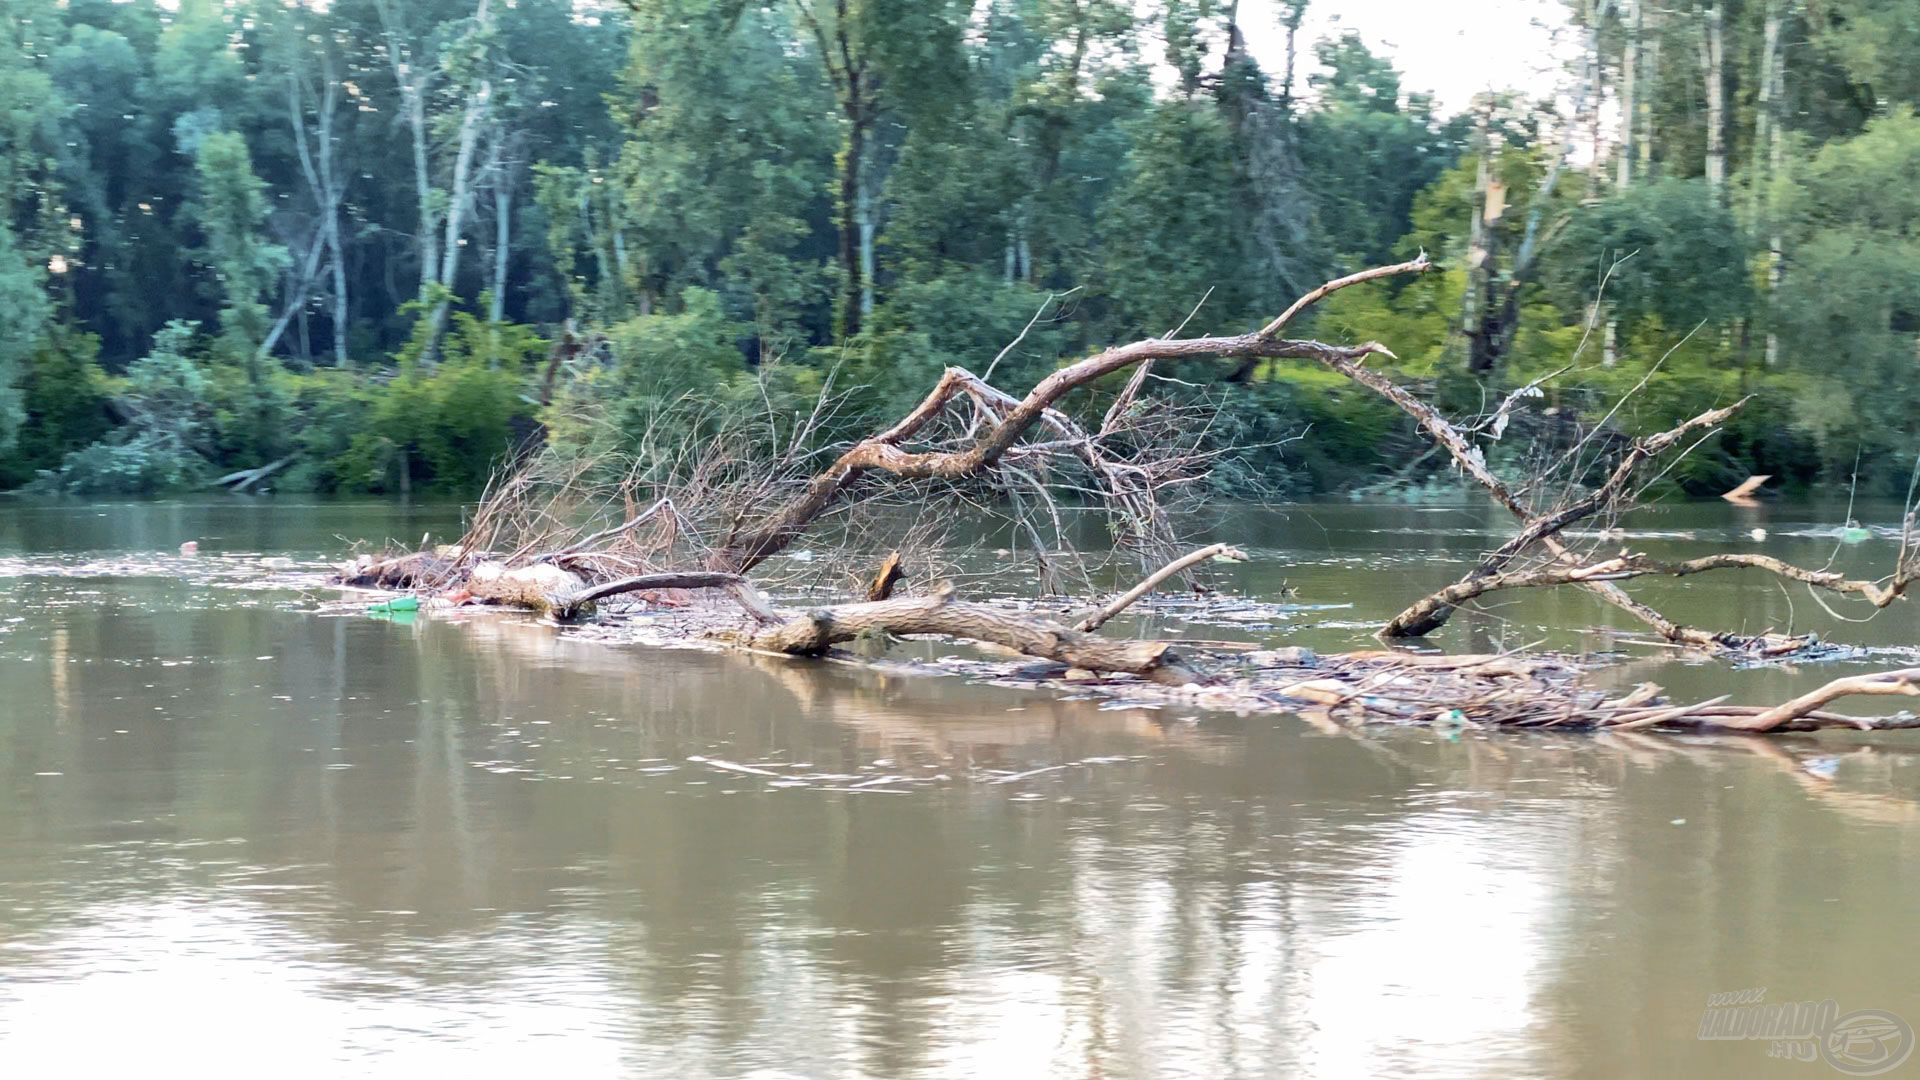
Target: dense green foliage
348	236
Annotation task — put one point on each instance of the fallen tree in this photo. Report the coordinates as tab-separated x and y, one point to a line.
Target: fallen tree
684	523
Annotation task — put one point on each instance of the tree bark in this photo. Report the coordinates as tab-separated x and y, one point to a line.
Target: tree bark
856	223
1494	314
1769	120
1154	580
1650	27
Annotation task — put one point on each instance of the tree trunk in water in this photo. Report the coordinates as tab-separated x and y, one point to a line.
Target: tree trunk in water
815	632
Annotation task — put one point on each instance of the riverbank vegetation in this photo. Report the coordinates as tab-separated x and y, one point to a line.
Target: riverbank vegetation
377	246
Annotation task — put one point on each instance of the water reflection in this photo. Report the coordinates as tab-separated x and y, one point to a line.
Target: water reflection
242	834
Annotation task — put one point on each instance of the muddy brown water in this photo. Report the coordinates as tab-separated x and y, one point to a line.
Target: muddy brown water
243	836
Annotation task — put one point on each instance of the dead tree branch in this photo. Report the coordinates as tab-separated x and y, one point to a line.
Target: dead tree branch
1154	580
742	590
1432	612
1626	566
1904	682
940	614
886	452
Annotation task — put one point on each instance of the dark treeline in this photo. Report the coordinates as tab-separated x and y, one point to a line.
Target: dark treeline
349	236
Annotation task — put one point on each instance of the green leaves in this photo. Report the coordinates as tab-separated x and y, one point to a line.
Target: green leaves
1667	250
231	207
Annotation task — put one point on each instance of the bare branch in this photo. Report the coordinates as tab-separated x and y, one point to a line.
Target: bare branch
1419	265
1153	581
1904	682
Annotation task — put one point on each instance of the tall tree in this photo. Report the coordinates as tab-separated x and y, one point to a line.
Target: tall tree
880	57
230	205
1713	59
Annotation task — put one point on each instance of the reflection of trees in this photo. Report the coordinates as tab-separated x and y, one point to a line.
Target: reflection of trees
1245	897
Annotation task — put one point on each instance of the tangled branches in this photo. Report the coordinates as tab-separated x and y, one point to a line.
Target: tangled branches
712	494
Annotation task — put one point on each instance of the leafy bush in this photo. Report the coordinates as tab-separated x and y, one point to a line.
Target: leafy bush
160	448
63	397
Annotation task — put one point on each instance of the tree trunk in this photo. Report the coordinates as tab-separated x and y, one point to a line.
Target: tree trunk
1480	267
1596	96
335	189
817	631
1494	319
854	210
472	123
503	189
864	214
1650	32
412	85
1629	91
1768	139
299	284
326	187
1713	64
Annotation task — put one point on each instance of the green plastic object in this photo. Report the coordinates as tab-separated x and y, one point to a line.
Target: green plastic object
1854	534
402	603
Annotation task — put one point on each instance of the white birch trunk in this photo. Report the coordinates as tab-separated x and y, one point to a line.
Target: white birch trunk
1713	67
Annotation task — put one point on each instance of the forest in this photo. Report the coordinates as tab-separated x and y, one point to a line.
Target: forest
377	246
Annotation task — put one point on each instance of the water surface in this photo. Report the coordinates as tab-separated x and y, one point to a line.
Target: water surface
250	836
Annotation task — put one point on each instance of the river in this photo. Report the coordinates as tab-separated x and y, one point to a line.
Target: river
246	833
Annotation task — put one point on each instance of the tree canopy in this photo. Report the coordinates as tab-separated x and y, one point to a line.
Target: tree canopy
357	230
